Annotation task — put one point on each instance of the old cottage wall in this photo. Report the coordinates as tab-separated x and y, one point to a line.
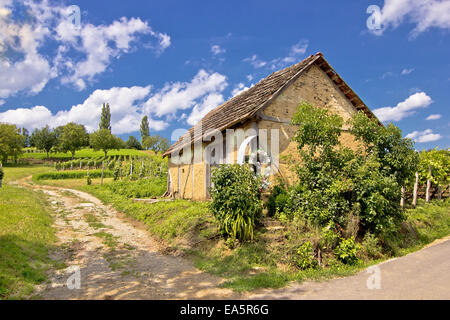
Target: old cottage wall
316	88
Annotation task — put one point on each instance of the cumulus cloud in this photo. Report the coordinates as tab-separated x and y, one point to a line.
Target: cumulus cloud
125	104
434	117
184	95
207	104
424	136
405	108
83	52
424	14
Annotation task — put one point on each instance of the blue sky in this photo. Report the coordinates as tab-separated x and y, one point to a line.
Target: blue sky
176	60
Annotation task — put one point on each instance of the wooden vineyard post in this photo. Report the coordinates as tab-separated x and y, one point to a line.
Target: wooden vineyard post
427	195
103	169
131	168
416	187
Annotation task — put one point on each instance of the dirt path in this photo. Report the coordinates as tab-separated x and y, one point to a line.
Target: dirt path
117	259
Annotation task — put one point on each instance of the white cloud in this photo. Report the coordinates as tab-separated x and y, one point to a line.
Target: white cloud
407	71
424	136
216	49
207	104
183	95
405	108
238	89
250	77
296	53
125	104
255	61
434	117
83	52
424	14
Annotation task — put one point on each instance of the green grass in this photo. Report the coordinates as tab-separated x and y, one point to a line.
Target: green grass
22	171
26	234
109	240
84	153
71	174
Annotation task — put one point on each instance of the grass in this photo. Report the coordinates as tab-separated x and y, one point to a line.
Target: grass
93	221
84	153
26	234
17	172
262	263
109	240
72	174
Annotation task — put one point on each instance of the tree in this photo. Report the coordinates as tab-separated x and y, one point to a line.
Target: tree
11	141
336	183
102	139
44	139
25	133
434	167
156	143
133	143
72	137
105	118
145	129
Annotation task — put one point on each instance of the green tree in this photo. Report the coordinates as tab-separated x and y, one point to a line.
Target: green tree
336	183
11	141
102	139
72	137
145	129
44	139
105	118
133	143
155	143
434	166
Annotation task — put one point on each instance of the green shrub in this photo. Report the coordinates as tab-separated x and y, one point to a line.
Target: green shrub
236	202
371	247
347	251
88	180
116	173
139	189
278	200
111	164
305	256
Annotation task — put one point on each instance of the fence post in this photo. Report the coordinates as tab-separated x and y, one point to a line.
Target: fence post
427	196
416	187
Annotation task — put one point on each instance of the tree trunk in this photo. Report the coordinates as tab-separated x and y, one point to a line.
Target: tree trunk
416	187
48	157
73	154
402	200
1	183
440	193
427	195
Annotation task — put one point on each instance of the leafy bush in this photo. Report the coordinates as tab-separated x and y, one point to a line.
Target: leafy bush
236	202
278	199
88	180
335	181
305	256
139	189
347	250
370	246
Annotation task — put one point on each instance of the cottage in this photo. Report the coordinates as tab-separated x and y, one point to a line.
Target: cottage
259	119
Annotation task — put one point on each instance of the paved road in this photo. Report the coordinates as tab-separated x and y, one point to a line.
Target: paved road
424	274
